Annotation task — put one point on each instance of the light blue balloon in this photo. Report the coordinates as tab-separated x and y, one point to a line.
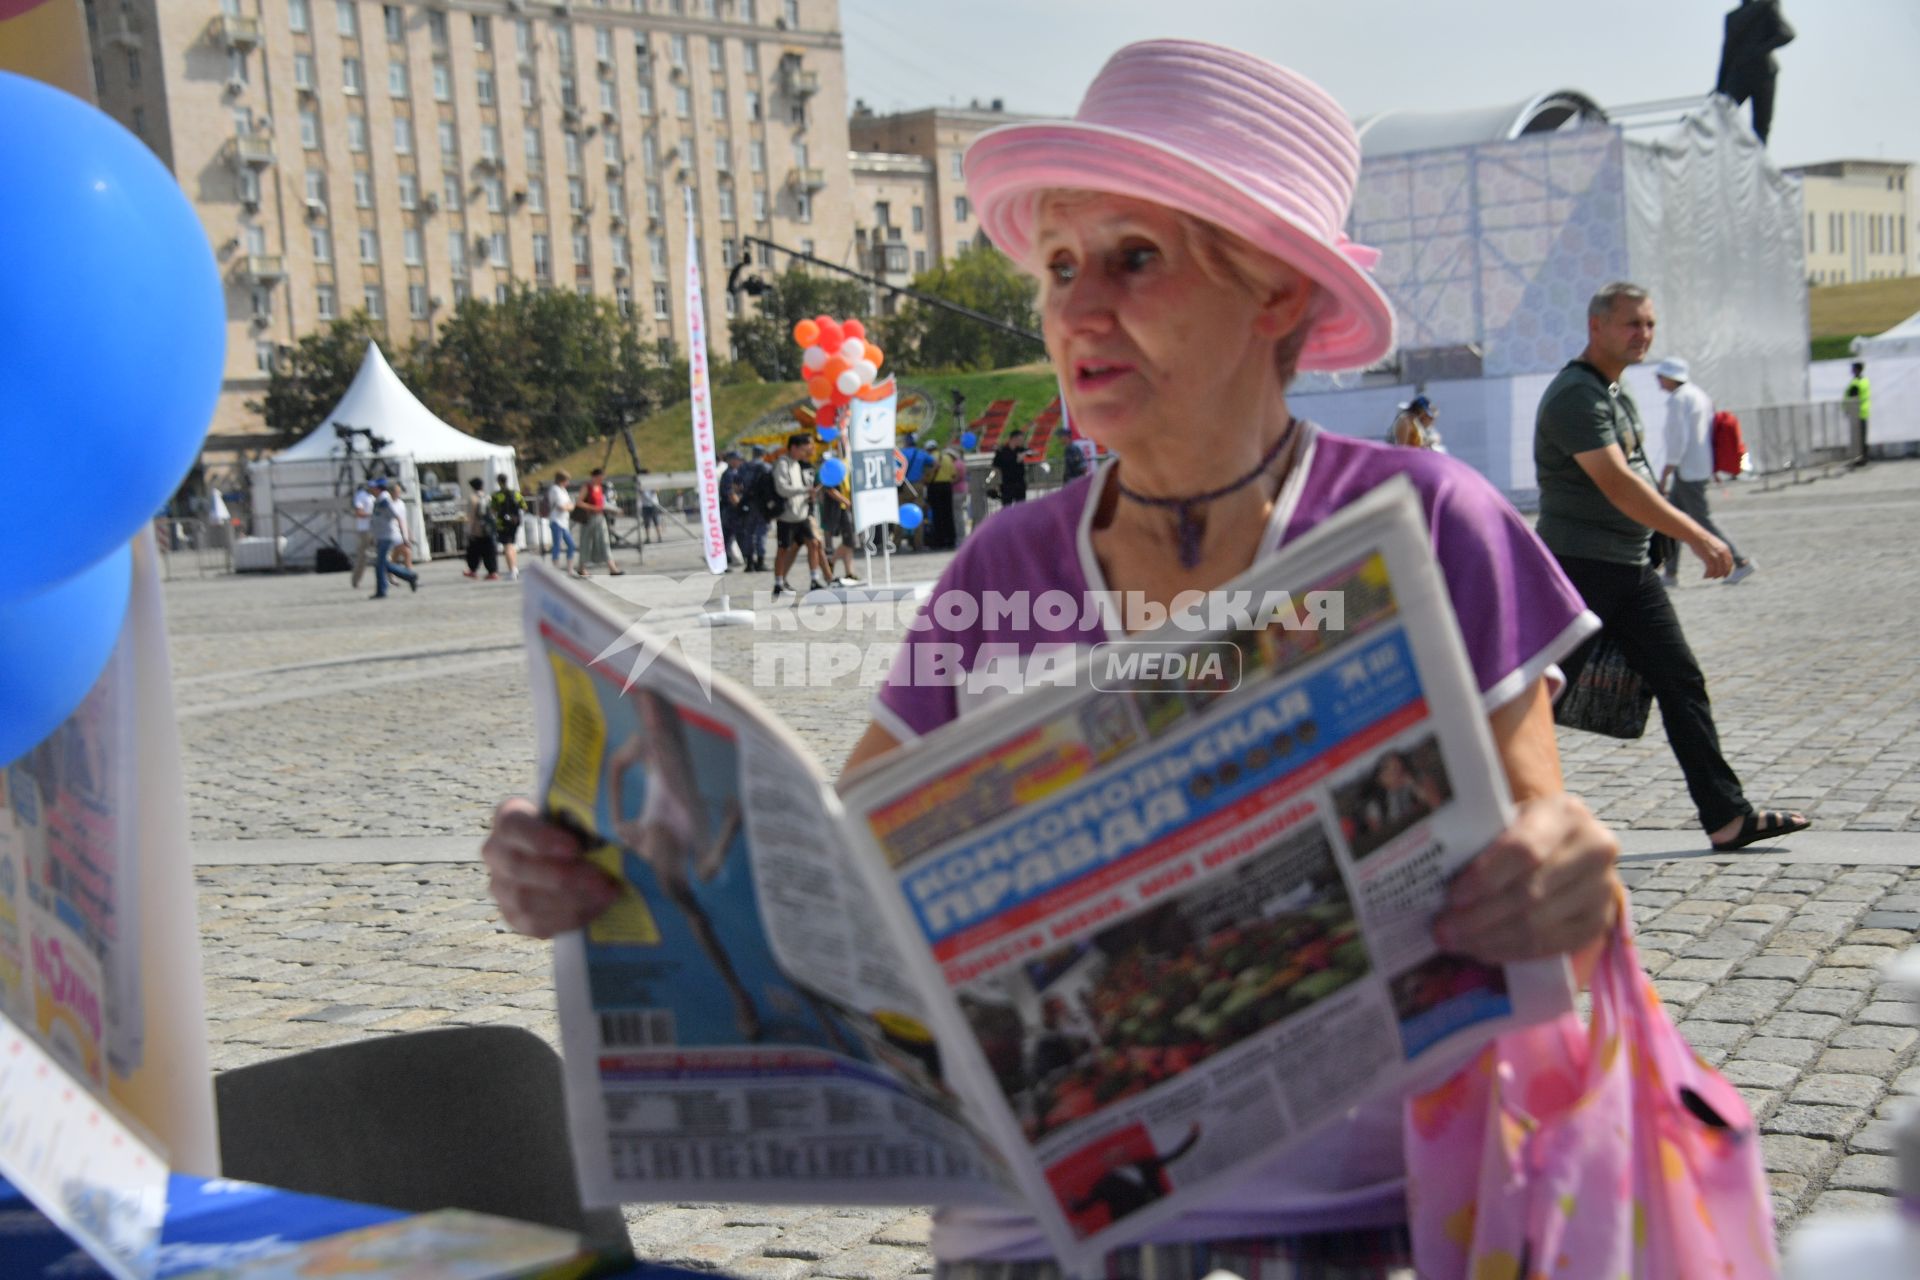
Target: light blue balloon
53	646
968	440
113	329
832	472
911	516
829	434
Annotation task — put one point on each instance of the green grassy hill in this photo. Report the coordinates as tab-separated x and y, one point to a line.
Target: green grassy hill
1838	313
665	439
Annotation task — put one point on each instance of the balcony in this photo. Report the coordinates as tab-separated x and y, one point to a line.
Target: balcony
892	258
798	82
237	32
808	179
253	151
263	268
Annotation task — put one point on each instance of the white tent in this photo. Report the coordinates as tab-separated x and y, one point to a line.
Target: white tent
303	492
1893	370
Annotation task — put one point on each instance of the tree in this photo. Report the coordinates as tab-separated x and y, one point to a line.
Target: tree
310	377
984	280
765	339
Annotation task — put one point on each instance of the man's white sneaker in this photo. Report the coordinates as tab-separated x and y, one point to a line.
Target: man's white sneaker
1741	572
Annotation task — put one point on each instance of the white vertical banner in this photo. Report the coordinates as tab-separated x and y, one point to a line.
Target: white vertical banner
713	539
869	424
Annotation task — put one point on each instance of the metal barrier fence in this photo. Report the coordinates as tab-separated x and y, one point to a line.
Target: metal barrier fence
190	546
1788	441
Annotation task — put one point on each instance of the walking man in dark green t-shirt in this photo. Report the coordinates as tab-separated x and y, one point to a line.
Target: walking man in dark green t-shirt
1598	511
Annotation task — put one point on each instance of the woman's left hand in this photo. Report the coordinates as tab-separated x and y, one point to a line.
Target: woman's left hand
1544	887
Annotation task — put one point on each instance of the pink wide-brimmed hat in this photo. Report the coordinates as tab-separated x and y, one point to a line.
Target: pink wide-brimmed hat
1224	136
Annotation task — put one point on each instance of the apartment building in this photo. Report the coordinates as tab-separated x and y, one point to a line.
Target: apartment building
1859	220
939	136
892	197
403	156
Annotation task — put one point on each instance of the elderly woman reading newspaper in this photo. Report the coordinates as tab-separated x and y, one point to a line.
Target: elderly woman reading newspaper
1186	230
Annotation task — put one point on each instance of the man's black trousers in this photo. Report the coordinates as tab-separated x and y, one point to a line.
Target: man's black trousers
1636	613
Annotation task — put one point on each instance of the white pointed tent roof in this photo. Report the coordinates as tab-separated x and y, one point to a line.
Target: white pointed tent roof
379	401
1901	340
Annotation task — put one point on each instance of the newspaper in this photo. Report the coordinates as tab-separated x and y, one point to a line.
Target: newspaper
1091	956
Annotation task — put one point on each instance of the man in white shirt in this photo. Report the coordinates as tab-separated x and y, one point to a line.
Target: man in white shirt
362	531
1689	465
559	522
390	531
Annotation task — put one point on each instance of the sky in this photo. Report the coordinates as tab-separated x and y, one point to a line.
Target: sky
1849	85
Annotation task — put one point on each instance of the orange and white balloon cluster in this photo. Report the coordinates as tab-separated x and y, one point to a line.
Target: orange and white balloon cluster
839	363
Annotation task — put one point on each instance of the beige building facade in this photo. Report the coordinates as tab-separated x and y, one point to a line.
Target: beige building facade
400	157
1859	221
940	136
893	200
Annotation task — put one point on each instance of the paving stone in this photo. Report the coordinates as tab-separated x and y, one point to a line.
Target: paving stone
1894	1039
1713	1035
1865	1173
1864	1062
1794	1053
1887	1013
1680	993
1792	968
1898	939
1852	1203
1862	957
1816	1122
1904	920
820	1238
1844	979
1700	970
1833	1000
1802	1026
1768	1075
871	1262
1783	1153
1837	1090
1875	1137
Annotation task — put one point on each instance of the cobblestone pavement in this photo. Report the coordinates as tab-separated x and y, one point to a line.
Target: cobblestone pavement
309	712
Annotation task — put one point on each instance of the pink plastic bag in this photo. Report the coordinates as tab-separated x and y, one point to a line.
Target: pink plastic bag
1565	1152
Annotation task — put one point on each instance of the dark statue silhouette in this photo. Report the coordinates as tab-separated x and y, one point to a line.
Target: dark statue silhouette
1747	66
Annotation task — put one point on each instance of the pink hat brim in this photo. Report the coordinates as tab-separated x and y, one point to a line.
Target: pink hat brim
1008	166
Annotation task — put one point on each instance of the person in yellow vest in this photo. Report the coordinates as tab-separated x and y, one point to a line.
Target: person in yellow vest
1859	408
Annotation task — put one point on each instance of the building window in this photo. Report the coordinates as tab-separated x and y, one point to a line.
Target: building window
753	104
299	18
657	254
442	82
523	38
616	200
437	27
316	186
303	71
409	187
457	250
482	33
448	147
133	68
356	133
919	261
369	245
527	94
323	302
582	254
346	17
682	101
537	195
410	249
662	302
496	194
417	301
573	152
309	130
750	57
961	208
490	141
608	102
726	204
397	79
140	121
396	23
956	166
322	241
747	11
716	56
723	155
350	75
623	299
576	195
677	50
790	13
376	308
919	218
759	204
603	44
562	43
497	248
483	87
403	136
501	292
799	155
461	292
452	192
263	352
531	138
362	189
802	207
618	253
654	203
719	104
757	156
542	258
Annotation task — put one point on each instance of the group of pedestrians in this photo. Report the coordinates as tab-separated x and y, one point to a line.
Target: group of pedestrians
380	528
588	513
493	528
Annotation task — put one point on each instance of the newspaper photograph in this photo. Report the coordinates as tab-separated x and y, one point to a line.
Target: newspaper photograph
734	1026
1195	924
1091	956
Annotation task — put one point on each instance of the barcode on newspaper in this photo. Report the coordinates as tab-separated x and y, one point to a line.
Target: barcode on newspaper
636	1028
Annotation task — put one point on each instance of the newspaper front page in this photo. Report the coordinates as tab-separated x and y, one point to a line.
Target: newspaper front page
1093	955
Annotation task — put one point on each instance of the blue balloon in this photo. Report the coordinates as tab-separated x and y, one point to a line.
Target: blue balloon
832	472
911	516
113	327
968	440
829	434
53	646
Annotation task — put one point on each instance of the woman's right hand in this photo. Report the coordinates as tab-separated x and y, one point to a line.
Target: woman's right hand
1714	554
537	874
